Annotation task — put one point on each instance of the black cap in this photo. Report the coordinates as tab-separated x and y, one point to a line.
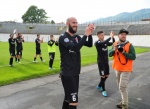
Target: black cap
123	31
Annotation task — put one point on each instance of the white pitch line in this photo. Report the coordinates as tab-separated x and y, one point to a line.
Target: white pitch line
45	61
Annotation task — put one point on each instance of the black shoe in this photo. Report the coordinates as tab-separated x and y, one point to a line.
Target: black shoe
119	105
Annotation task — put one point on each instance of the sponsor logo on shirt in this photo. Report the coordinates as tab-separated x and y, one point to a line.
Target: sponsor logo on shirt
71	51
104	49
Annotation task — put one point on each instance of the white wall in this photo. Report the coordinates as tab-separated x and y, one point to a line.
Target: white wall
136	40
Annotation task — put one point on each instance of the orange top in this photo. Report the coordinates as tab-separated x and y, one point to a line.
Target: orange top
120	63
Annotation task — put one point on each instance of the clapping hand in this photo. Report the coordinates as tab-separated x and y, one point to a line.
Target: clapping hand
112	34
89	29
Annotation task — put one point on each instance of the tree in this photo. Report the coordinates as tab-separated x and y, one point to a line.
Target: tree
52	22
34	15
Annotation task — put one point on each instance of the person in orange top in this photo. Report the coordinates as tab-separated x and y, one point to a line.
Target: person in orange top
123	55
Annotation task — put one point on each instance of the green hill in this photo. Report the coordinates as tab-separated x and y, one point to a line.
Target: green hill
127	17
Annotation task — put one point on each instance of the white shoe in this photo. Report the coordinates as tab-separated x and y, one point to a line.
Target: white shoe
43	61
50	68
11	65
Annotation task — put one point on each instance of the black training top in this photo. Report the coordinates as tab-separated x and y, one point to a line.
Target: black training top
19	41
37	41
69	47
11	43
102	50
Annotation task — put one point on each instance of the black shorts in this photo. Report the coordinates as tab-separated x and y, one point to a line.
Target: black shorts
52	55
38	51
19	50
103	69
12	52
71	86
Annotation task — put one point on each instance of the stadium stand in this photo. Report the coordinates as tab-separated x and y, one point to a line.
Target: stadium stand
134	29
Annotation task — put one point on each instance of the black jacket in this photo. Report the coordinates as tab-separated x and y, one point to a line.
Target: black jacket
102	50
69	47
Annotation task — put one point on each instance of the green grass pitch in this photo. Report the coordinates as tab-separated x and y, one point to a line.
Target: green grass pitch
27	69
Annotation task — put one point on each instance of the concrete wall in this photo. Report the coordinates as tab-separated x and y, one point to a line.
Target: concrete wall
136	40
134	29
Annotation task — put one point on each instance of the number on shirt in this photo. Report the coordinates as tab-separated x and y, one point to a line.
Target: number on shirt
74	97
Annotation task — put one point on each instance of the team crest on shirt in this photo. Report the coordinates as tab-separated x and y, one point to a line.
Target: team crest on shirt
66	40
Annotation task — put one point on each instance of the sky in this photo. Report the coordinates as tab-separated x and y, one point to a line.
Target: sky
60	10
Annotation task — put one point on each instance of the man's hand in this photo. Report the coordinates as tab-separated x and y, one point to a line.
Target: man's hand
112	34
57	39
17	35
15	30
115	48
41	39
89	29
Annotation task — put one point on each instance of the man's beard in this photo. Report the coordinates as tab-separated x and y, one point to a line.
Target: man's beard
71	29
122	40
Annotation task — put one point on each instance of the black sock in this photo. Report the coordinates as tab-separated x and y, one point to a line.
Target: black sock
34	59
41	58
20	54
72	107
15	58
65	105
51	63
102	83
11	61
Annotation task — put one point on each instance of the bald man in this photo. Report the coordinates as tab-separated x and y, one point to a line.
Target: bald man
69	46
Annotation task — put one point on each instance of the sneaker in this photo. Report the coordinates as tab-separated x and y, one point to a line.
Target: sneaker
50	68
43	61
99	88
11	65
124	106
119	105
104	93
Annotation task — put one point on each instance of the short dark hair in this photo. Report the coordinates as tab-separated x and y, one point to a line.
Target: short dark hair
19	33
51	35
99	32
10	35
